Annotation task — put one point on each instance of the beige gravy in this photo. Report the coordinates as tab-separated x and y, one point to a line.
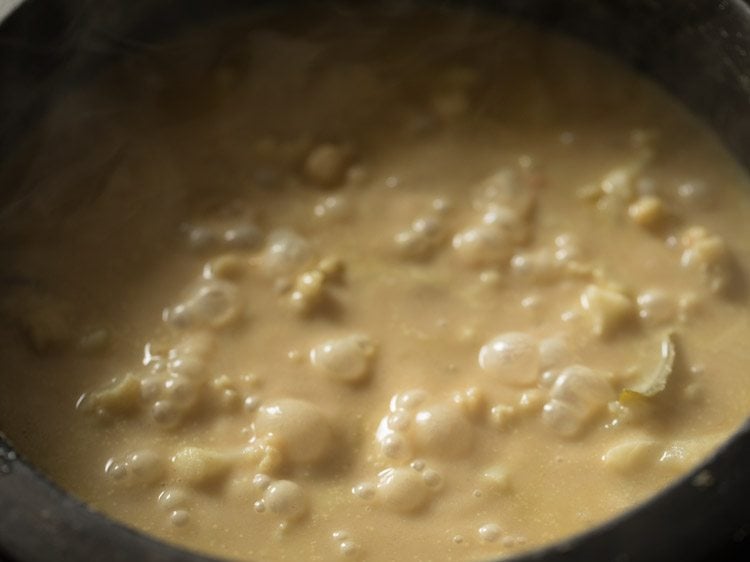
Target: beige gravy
375	286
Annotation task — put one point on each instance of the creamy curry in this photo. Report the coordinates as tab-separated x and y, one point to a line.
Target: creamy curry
373	285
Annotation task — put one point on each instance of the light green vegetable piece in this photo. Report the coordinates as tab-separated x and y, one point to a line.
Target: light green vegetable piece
657	381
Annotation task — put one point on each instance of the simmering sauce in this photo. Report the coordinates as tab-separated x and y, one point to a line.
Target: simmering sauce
372	285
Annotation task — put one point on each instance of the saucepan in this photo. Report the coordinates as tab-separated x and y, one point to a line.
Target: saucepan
698	49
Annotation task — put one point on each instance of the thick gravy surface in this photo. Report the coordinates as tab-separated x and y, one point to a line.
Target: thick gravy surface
372	285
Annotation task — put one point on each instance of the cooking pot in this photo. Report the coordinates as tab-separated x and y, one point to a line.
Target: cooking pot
699	50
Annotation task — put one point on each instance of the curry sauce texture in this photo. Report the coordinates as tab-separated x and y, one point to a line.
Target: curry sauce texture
371	284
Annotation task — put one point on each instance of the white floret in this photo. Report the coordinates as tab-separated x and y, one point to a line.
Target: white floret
286	499
212	304
442	430
346	359
286	252
608	308
197	466
506	188
302	430
146	466
512	357
402	490
421	239
577	395
709	255
483	245
631	456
